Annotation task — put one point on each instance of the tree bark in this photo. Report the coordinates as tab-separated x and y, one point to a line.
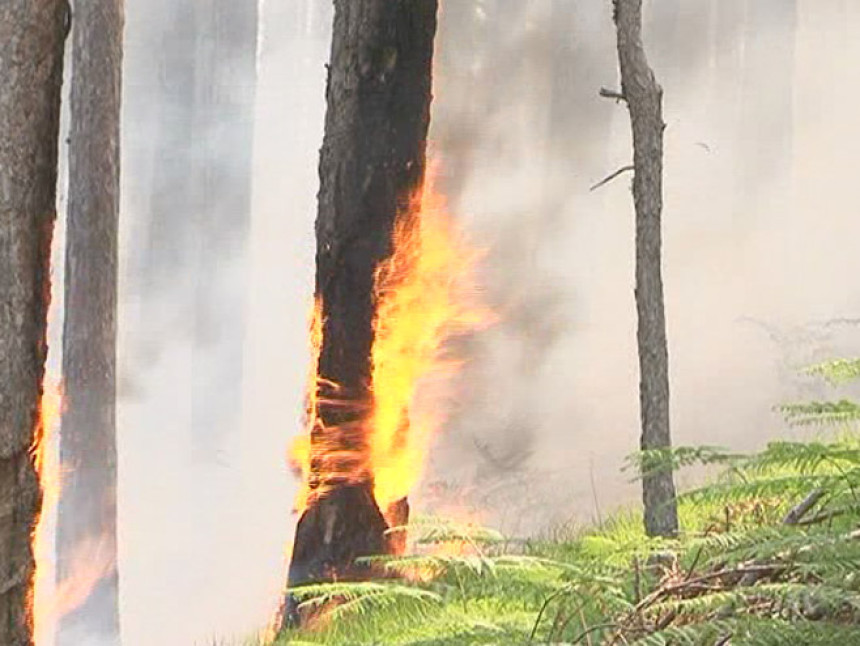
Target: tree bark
32	33
372	161
86	527
644	99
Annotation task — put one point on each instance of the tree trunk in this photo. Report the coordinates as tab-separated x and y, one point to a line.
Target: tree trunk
644	99
372	161
86	526
32	33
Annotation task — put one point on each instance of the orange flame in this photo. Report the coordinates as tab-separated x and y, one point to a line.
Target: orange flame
300	450
46	460
423	296
422	299
92	559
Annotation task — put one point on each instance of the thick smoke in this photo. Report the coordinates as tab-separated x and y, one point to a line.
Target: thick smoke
759	262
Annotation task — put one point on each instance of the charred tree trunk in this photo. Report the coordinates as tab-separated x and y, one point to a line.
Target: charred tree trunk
32	33
372	161
644	99
86	526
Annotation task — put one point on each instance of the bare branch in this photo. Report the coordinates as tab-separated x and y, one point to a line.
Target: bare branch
612	94
796	514
606	180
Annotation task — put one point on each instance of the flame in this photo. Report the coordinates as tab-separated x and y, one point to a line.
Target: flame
92	560
422	294
46	461
300	451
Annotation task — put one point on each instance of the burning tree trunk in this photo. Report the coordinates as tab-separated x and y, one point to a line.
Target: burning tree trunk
372	163
86	526
644	99
31	62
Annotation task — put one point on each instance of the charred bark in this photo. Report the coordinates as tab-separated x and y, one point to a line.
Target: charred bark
32	33
371	163
86	526
644	98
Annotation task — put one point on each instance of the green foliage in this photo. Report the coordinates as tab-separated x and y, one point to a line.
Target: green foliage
837	372
744	572
654	461
821	413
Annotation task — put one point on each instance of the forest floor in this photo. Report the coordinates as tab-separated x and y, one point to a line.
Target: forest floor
769	553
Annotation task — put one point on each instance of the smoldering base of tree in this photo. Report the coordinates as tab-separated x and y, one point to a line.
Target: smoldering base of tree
644	99
372	161
330	536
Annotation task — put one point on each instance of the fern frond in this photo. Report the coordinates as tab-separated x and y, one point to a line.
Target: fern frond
837	372
821	413
361	597
653	461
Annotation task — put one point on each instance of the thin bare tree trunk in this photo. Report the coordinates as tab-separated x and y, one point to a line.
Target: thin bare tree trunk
372	161
32	33
644	98
86	528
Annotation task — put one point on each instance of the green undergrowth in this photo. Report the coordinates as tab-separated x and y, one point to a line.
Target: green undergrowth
769	553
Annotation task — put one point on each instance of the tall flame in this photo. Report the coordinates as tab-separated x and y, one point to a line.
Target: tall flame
91	560
423	294
300	451
46	460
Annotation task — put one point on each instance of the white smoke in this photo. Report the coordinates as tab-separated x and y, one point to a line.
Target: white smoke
548	407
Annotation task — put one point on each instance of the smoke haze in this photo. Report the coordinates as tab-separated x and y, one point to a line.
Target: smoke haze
759	224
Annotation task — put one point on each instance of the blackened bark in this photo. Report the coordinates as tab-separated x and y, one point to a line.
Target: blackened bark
31	68
372	161
644	98
86	529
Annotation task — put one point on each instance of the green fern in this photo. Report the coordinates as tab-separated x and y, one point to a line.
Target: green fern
604	586
836	372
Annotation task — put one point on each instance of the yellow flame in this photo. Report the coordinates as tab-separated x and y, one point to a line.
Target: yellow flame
300	450
423	296
46	460
92	559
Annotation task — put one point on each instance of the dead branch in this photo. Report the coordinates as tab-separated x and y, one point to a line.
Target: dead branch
612	94
823	517
609	178
796	514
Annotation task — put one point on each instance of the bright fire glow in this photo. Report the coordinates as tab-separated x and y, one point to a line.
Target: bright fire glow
300	450
46	461
91	560
424	293
422	296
